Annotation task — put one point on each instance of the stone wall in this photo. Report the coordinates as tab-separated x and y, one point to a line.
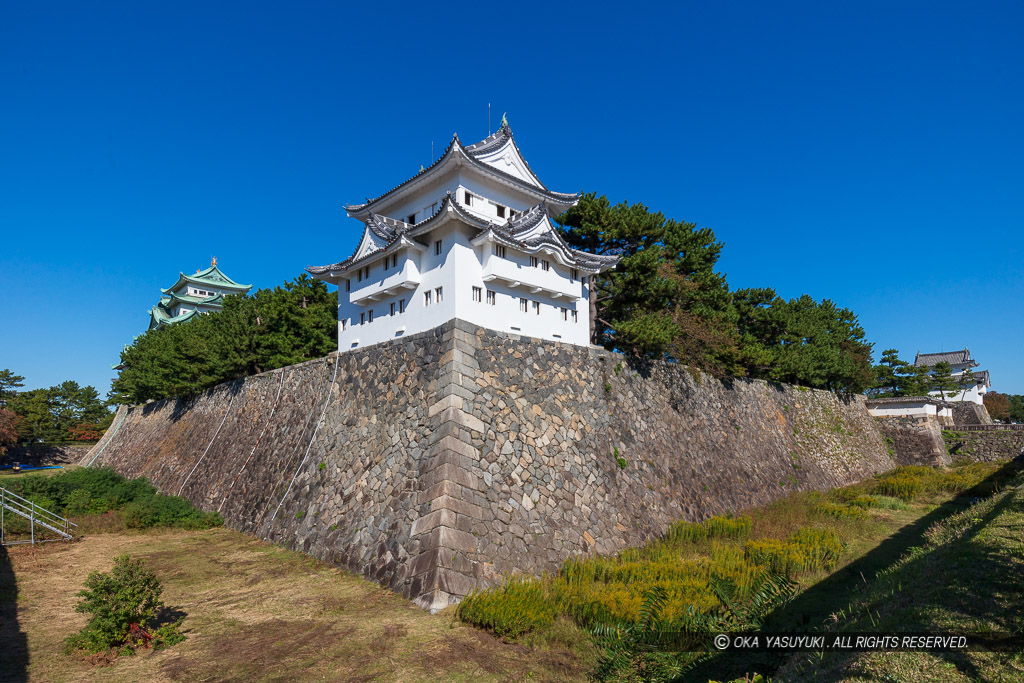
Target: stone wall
436	463
967	413
914	440
994	443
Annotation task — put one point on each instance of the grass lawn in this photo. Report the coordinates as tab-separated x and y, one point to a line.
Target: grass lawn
255	612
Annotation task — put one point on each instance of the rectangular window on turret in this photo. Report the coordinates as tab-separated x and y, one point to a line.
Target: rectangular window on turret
437	248
344	324
469	199
573	275
437	294
545	265
369	315
477	294
499	250
565	314
575	316
401	305
536	307
522	305
501	210
394	260
392	308
427	295
348	285
533	261
411	219
491	298
362	318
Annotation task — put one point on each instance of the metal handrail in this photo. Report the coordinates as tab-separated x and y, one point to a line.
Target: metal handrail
34	514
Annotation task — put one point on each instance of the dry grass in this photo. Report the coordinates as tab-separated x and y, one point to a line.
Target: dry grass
255	612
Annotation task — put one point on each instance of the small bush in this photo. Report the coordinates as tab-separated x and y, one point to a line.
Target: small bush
839	511
122	605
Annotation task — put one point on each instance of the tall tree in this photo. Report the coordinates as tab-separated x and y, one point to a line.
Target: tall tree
664	299
9	383
8	429
997	405
943	381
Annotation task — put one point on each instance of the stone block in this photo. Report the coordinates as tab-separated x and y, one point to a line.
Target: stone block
457	505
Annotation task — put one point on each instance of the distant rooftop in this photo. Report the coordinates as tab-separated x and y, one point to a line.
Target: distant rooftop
962	357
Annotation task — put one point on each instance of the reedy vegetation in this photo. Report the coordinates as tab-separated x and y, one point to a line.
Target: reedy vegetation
726	573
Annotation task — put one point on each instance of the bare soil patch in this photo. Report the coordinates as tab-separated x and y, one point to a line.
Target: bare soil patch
255	612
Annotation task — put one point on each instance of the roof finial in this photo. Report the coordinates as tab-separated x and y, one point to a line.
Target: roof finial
504	120
213	261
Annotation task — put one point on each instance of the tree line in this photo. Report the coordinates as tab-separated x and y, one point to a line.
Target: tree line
63	413
1005	407
288	324
666	300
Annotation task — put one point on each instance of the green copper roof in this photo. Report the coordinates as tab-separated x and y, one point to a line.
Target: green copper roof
212	277
160	316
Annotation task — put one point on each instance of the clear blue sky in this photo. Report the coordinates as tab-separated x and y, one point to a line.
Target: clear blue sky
871	152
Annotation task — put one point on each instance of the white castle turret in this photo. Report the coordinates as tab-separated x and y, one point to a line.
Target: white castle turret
470	237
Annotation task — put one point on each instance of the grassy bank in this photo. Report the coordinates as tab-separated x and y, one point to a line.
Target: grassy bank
724	572
964	577
254	612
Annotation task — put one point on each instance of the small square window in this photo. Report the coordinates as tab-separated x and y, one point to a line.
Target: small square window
437	294
522	305
411	219
501	210
469	199
477	294
437	248
491	298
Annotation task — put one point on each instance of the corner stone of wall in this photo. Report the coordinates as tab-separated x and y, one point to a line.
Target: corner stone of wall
915	440
968	413
443	572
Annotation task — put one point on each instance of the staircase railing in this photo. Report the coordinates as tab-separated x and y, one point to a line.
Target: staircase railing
12	503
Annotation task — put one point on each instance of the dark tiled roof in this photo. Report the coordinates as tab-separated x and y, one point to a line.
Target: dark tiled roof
951	357
471	153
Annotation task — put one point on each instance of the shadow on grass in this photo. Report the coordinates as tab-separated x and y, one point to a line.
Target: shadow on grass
809	610
13	642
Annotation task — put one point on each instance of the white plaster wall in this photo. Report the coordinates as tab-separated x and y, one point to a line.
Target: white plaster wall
457	270
904	410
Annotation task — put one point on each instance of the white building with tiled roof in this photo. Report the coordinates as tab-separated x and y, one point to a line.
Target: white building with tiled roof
470	237
961	364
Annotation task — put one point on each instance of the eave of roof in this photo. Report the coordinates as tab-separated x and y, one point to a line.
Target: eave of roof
960	357
455	148
202	278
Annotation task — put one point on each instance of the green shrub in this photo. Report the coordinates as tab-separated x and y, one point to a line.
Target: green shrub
805	550
517	607
123	605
